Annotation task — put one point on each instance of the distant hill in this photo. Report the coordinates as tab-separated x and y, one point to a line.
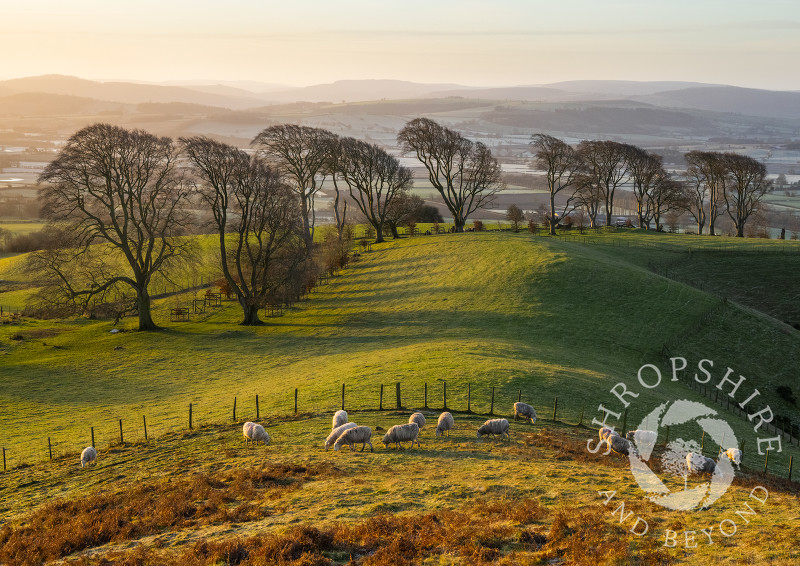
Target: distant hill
748	101
623	88
42	104
362	90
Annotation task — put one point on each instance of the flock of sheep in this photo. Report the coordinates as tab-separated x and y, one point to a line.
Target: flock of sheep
348	433
695	463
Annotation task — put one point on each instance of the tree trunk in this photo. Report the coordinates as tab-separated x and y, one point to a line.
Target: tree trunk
143	306
393	227
378	233
552	214
250	316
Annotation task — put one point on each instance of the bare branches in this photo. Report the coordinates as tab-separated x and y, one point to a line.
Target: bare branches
464	172
119	187
562	166
745	183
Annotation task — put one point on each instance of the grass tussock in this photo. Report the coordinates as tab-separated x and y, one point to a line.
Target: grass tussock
64	527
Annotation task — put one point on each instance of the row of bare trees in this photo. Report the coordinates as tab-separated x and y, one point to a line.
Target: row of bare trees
588	176
122	201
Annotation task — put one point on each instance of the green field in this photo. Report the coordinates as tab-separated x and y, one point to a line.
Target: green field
553	320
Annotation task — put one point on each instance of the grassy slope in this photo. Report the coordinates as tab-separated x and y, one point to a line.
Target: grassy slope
549	317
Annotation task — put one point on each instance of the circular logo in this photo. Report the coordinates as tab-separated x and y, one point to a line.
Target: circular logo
678	453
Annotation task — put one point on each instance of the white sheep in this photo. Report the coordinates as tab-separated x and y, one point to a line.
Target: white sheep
353	436
734	455
697	463
445	424
525	411
418	418
494	427
642	437
402	433
339	418
255	432
88	456
618	444
336	433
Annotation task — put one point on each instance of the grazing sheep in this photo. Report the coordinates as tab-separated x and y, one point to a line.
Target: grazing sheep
525	411
88	456
734	455
493	427
339	418
254	432
445	424
402	433
642	437
618	444
418	418
605	432
336	433
698	464
353	436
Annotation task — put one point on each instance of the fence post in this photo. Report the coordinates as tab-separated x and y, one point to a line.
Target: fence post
469	396
555	407
703	442
766	461
425	404
519	396
234	408
190	415
445	395
258	416
491	408
343	396
121	441
380	401
295	400
790	467
50	447
4	459
397	394
583	408
144	421
92	437
624	422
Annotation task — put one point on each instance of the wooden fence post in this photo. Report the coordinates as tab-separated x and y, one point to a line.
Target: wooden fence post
703	442
380	399
258	415
790	467
92	437
4	459
144	421
50	447
519	396
190	415
295	400
121	441
397	394
555	407
766	461
491	407
234	408
583	408
625	422
343	396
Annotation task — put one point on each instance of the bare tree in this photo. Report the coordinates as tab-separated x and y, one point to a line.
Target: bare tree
667	196
606	166
257	218
331	169
515	215
589	197
561	164
300	153
646	172
117	188
706	169
404	209
464	172
374	179
745	184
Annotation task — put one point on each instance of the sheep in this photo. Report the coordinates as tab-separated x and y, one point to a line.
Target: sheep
525	411
697	463
255	432
605	432
336	433
88	456
354	435
642	437
445	424
339	418
402	433
418	418
618	444
493	427
734	455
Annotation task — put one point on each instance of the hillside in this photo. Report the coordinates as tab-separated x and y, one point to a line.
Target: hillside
555	321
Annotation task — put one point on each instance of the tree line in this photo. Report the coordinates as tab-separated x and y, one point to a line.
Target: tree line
586	179
118	203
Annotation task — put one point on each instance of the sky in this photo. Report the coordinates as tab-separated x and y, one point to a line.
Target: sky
478	43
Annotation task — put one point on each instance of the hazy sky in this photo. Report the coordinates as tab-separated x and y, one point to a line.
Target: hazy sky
754	43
